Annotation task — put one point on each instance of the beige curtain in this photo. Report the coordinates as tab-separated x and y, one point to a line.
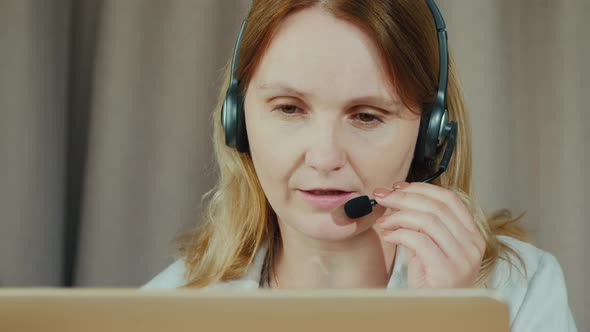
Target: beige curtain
104	136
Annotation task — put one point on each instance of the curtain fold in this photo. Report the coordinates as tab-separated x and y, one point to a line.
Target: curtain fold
84	22
33	102
105	110
149	156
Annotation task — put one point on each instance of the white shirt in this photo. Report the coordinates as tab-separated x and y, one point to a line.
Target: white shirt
536	303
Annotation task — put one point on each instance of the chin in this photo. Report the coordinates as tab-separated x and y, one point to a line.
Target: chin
324	229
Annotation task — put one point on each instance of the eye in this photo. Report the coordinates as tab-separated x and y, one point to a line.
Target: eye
287	110
367	119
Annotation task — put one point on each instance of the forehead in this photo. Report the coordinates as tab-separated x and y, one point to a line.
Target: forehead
326	56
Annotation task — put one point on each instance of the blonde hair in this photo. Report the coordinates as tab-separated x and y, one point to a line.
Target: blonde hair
238	219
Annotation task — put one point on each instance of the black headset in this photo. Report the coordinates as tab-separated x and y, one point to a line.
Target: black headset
435	128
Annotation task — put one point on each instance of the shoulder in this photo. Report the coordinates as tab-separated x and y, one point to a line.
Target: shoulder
526	263
174	276
171	277
535	290
524	254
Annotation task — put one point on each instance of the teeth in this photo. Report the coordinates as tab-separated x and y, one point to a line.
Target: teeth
326	192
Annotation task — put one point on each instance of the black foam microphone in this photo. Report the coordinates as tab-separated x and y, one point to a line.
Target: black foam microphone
359	207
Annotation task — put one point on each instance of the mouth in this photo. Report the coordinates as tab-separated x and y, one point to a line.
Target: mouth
326	198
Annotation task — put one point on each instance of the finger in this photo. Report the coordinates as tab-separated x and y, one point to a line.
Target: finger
429	224
455	203
413	201
426	250
450	198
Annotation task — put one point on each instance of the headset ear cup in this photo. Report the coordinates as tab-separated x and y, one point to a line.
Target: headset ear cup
242	143
233	120
420	167
420	150
427	143
434	133
228	118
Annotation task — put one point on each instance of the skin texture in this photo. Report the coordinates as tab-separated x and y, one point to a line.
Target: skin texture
320	113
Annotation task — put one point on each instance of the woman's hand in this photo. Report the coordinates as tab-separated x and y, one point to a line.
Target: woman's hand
444	244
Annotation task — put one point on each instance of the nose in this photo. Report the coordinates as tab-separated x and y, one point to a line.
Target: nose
325	152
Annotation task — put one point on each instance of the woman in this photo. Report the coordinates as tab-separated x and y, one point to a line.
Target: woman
337	98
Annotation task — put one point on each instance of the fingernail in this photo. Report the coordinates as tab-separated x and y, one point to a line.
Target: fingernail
381	192
400	185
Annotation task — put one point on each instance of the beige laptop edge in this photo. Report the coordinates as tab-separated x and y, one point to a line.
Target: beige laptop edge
358	310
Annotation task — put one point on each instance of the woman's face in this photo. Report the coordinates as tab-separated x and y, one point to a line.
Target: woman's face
320	113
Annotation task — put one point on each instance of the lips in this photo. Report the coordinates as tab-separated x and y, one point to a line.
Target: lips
324	190
326	198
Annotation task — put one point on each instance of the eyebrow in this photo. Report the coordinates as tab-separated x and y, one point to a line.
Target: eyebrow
282	88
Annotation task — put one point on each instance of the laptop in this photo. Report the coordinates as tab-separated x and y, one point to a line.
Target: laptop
264	310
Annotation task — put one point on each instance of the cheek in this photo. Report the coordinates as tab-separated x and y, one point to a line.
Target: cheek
388	160
272	161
